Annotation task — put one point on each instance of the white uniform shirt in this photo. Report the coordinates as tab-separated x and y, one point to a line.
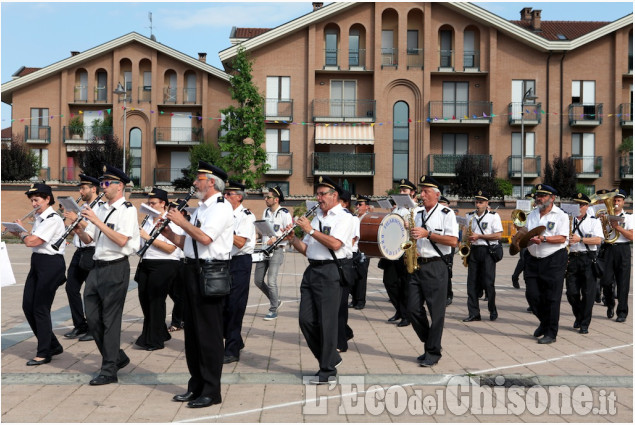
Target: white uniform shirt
439	220
215	217
590	227
154	253
337	223
122	220
627	225
556	222
490	223
244	227
76	240
49	227
280	219
357	221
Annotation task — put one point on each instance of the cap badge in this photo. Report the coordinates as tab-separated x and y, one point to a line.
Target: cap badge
539	187
320	180
105	168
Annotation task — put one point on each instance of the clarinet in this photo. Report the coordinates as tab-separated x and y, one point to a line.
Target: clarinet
157	230
277	242
145	220
69	229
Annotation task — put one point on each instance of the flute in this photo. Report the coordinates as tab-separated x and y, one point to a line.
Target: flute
69	229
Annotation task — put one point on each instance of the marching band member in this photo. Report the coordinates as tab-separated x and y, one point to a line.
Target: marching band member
157	269
358	292
344	332
449	258
546	262
585	238
115	231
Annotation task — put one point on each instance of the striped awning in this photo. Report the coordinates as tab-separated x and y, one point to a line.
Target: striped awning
344	135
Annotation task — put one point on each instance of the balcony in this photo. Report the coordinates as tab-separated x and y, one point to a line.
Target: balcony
338	110
446	60
169	95
331	59
583	115
471	113
415	58
587	167
80	94
441	165
101	95
626	166
357	60
189	95
531	116
626	115
165	176
127	96
358	164
531	166
37	134
87	135
280	163
145	94
471	60
44	174
178	136
279	109
389	57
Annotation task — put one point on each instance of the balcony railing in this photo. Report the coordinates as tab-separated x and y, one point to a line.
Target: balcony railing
626	115
585	114
529	112
531	166
471	60
587	167
189	95
178	135
626	167
389	56
338	110
358	164
169	95
445	165
357	58
279	109
81	94
280	163
127	96
37	134
145	94
70	174
43	173
474	112
331	58
165	176
415	58
88	134
101	95
446	59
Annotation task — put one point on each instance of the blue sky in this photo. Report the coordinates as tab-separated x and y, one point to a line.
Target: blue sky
40	34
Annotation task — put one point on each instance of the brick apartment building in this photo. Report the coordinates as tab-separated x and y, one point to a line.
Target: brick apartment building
368	93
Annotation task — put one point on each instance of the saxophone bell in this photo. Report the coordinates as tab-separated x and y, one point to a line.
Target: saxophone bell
410	246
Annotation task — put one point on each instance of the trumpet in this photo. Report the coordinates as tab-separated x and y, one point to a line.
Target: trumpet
269	250
465	246
28	215
519	217
69	229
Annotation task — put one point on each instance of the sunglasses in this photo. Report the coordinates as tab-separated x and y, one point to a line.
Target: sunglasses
269	197
357	204
107	183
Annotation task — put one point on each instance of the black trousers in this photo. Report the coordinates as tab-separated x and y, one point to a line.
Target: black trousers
177	293
428	285
450	260
154	278
520	265
45	276
76	277
544	279
204	348
617	265
481	273
320	298
236	304
396	283
344	332
358	291
104	298
581	287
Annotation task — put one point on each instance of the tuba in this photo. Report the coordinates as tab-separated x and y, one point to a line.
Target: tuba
519	217
410	247
465	245
610	234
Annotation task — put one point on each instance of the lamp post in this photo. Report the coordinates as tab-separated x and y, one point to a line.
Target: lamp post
527	96
119	91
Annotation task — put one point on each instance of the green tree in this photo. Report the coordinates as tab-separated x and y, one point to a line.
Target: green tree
561	175
203	152
105	151
18	161
473	174
244	158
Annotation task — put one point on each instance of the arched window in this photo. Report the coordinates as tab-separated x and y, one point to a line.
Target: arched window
135	155
330	42
400	141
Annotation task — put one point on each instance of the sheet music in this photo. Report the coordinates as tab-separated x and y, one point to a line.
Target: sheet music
572	209
147	209
404	201
523	204
69	204
385	204
461	220
14	227
264	228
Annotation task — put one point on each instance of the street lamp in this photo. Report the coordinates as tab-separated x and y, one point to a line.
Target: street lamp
527	96
119	91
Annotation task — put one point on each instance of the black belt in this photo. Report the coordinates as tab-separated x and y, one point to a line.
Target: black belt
422	260
320	262
204	261
85	248
577	254
101	263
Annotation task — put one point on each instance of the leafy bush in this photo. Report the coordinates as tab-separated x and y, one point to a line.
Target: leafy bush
561	176
203	152
18	162
473	174
92	160
505	186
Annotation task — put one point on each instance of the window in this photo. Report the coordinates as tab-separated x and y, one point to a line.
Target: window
353	48
331	48
81	87
147	81
583	152
101	91
276	142
278	89
530	144
469	51
583	93
446	48
455	99
127	79
400	140
412	42
190	88
454	144
42	157
135	156
39	127
519	88
388	54
343	98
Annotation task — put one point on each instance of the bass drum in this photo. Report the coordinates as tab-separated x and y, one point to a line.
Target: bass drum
381	235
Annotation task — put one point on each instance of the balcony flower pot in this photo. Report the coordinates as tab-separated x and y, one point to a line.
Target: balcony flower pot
76	128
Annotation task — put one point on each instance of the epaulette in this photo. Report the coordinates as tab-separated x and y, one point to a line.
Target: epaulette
492	212
220	200
284	210
347	210
100	203
128	204
445	210
246	211
51	215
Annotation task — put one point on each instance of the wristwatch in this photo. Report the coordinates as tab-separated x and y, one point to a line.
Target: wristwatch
311	232
544	239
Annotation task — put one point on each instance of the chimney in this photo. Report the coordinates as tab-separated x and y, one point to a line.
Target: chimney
202	57
525	14
317	5
535	20
74	53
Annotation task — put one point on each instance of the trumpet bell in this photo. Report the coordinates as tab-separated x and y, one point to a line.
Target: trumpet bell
519	217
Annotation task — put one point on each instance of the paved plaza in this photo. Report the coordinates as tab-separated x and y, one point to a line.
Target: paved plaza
580	378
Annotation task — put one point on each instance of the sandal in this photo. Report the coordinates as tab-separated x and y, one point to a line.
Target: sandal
174	328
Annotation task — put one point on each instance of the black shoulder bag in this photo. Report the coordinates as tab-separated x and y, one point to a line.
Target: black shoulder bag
597	266
214	277
436	248
496	251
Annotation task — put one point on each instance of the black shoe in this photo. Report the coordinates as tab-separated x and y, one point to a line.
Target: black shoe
598	298
584	330
516	284
576	325
546	340
473	318
349	337
103	380
480	293
125	362
154	348
485	298
75	333
230	359
529	309
539	332
428	363
88	336
360	306
188	396
603	300
203	401
610	312
493	316
34	362
321	380
448	301
421	357
404	322
56	351
394	318
351	305
620	319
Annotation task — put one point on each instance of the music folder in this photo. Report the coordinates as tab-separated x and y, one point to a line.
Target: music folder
264	228
404	201
572	209
148	210
14	227
385	204
69	204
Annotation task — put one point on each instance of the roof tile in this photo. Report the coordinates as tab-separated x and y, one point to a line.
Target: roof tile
570	29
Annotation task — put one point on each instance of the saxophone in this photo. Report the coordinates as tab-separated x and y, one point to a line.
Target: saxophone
465	246
410	247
